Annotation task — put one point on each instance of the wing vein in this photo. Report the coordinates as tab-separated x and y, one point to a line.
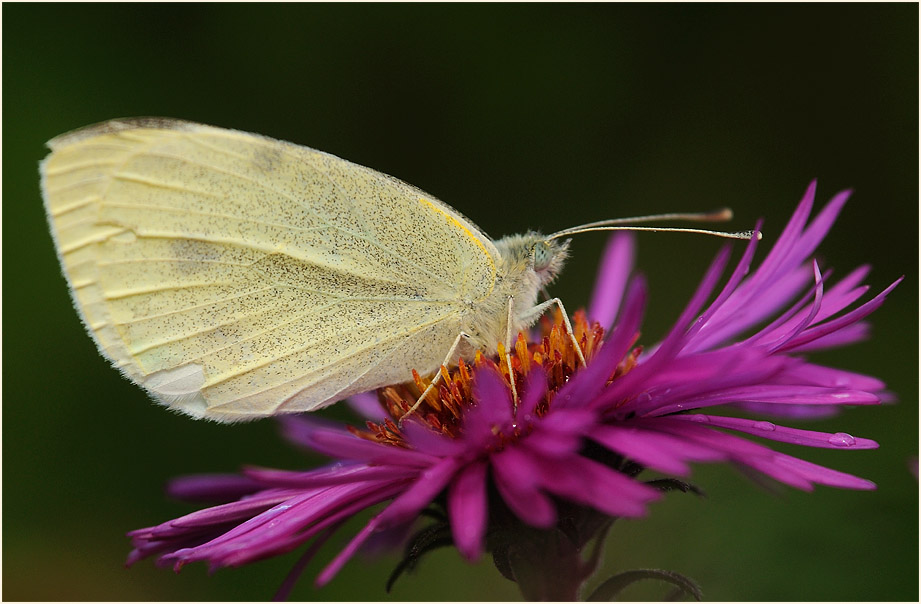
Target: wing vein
141	179
66	169
195	307
173	209
175	260
218	169
410	332
163	288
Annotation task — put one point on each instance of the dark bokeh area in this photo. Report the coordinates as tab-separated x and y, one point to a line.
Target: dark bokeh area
520	116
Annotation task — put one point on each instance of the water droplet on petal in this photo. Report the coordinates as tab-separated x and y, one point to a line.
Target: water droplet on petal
643	397
700	419
842	439
766	426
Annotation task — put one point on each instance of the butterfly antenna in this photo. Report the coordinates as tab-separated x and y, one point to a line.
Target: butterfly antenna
625	224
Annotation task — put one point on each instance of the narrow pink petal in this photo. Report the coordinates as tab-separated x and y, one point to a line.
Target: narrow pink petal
795	226
789	470
568	421
269	529
798	324
711	317
426	440
772	431
329	475
211	487
333	568
769	393
777	279
518	487
288	526
344	445
657	450
821	224
830	377
535	387
284	590
467	509
228	512
585	385
555	444
405	506
299	429
758	304
367	406
673	342
838	298
422	491
843	336
493	409
703	291
788	412
615	267
835	324
687	384
292	530
769	467
588	482
821	475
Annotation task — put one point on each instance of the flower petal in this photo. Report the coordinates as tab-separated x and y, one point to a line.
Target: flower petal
786	469
659	451
211	487
584	386
405	506
830	327
517	485
493	409
367	406
329	475
772	431
615	267
467	509
535	388
426	440
633	381
588	482
336	442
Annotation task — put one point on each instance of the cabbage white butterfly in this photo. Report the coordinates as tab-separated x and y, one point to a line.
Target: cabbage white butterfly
234	276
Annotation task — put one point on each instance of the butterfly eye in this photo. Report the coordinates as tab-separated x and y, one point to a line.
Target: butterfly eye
542	255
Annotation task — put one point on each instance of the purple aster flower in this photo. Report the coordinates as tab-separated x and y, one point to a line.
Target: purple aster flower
533	481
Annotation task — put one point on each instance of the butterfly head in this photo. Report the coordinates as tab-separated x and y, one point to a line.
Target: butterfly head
547	257
533	254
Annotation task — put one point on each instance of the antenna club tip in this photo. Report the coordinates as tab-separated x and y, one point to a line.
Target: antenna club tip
758	235
723	214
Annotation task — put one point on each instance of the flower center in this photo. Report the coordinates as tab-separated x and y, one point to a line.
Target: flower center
443	409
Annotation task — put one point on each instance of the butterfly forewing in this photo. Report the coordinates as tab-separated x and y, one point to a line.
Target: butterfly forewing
235	276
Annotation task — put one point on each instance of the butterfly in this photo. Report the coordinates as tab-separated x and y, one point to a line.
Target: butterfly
234	276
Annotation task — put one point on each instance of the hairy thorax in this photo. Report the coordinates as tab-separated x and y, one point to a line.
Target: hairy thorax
518	279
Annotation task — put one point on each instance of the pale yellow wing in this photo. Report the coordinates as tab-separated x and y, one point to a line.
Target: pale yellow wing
236	276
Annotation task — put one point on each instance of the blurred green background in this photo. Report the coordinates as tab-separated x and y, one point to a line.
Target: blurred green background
520	116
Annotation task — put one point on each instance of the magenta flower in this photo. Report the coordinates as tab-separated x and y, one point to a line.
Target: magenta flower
564	461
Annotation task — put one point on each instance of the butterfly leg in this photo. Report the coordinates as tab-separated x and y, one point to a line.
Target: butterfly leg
538	310
437	378
508	351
